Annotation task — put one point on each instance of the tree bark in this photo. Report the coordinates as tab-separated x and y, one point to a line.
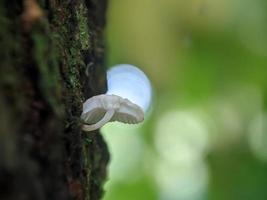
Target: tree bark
51	61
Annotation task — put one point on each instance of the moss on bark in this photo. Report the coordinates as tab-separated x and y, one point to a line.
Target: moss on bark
48	67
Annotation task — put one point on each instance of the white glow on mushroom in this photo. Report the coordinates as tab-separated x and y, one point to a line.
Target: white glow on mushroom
127	81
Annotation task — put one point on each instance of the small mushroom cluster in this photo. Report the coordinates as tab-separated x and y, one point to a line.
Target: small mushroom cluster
127	99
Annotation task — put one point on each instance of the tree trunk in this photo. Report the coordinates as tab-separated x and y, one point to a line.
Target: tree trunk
51	61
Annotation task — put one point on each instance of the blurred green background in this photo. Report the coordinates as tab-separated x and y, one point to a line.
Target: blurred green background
205	136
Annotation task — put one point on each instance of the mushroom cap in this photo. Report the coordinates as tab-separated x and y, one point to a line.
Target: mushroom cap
127	81
95	109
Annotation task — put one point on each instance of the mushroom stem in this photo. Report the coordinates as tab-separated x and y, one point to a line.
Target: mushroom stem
107	117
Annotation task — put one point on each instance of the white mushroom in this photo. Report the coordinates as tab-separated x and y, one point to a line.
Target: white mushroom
128	97
100	109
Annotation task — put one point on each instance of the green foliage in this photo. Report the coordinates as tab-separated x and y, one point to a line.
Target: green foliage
207	63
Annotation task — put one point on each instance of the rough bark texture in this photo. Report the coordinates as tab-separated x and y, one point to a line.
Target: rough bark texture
51	60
